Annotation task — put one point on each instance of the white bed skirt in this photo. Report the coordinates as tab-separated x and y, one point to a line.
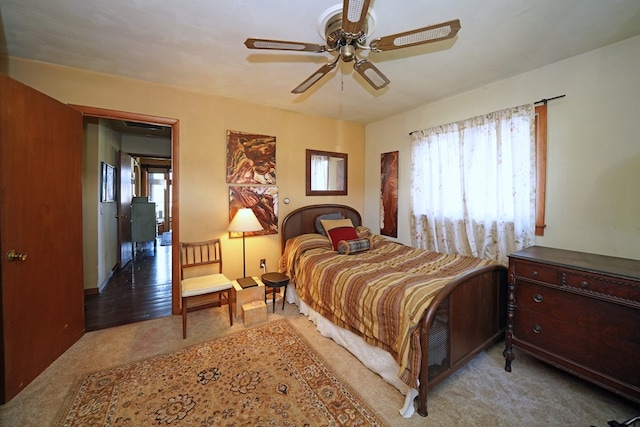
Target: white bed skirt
374	358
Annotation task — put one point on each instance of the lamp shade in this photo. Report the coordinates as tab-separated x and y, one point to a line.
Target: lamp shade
245	220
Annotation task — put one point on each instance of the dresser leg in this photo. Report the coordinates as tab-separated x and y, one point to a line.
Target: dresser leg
508	356
508	335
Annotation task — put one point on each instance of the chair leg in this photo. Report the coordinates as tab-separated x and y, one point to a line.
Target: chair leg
184	318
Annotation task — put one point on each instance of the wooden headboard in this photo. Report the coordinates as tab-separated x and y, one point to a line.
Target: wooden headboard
303	220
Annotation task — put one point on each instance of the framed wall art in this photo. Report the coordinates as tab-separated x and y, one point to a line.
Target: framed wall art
108	183
251	158
263	200
389	194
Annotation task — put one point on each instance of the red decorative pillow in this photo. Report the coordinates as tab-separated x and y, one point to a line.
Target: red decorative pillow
341	233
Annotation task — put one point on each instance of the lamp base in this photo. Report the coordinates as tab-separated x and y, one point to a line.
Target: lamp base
246	282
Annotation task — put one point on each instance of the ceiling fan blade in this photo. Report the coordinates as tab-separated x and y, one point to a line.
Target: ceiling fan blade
284	45
354	16
433	33
313	78
371	74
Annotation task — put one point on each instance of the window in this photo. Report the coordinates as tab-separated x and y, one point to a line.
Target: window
473	185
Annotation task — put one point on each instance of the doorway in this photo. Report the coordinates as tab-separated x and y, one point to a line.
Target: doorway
139	124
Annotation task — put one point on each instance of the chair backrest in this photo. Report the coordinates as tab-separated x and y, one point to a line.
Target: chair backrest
205	255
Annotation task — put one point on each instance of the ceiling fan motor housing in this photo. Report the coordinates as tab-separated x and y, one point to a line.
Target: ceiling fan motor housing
338	40
336	37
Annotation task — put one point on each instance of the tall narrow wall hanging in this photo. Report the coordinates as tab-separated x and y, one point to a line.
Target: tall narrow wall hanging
251	158
389	194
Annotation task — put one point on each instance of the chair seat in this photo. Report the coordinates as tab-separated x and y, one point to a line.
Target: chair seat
205	284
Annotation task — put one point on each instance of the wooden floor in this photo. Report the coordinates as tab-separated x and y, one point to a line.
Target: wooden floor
139	291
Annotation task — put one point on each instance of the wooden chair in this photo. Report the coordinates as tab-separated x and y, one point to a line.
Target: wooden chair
201	278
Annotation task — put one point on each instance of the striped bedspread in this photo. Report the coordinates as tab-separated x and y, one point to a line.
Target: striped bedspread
379	294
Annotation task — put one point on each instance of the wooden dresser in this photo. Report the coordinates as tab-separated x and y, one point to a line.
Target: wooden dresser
579	312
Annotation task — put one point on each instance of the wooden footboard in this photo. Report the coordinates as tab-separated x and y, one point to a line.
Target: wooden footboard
474	311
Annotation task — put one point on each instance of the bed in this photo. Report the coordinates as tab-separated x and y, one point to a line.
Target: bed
412	323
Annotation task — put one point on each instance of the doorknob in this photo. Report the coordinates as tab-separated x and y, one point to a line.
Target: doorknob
15	256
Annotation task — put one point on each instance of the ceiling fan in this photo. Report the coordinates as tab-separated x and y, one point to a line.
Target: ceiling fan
346	33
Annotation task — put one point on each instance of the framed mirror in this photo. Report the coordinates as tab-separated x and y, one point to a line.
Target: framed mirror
326	173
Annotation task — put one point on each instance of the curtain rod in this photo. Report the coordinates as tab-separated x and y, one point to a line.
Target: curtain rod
542	101
545	100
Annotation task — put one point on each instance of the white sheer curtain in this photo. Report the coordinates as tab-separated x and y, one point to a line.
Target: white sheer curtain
320	174
473	185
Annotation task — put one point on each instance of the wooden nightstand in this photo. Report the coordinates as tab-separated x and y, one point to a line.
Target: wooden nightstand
242	296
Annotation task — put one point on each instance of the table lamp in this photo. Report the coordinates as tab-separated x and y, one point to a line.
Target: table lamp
243	221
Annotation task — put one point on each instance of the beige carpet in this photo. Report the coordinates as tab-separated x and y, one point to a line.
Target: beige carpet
262	376
480	394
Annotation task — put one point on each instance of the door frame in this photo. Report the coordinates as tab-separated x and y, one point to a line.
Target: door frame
175	208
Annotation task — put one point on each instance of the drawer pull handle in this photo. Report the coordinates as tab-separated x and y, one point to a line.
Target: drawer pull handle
538	298
537	329
584	284
534	274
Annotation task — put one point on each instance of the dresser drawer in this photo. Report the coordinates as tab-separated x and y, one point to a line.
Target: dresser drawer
531	271
627	290
581	311
552	303
583	346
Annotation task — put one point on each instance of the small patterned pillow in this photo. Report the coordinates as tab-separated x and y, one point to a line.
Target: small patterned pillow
347	247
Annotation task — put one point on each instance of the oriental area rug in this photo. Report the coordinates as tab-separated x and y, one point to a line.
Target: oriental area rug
263	376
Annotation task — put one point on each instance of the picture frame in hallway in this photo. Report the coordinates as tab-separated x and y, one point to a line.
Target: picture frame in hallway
108	184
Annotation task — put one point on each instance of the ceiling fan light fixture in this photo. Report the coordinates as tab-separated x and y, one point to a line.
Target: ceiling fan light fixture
348	53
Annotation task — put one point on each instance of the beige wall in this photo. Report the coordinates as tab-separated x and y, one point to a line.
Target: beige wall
593	201
204	121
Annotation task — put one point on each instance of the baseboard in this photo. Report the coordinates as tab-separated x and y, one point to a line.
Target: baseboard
105	281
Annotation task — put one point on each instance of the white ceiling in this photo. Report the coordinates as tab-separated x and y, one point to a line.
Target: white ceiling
199	45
